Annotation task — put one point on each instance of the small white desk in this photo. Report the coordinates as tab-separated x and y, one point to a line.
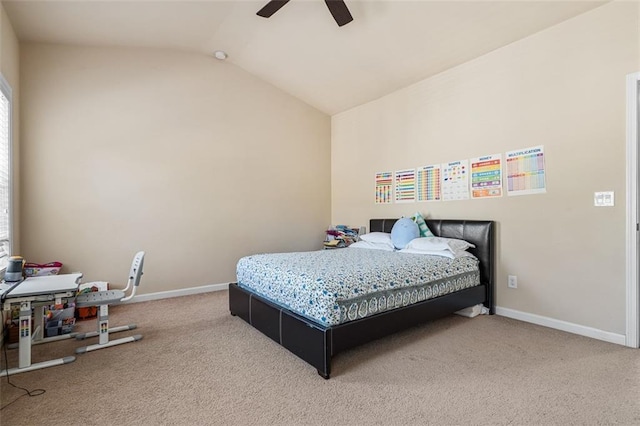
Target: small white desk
38	291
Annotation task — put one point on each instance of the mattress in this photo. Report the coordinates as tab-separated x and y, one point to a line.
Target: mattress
332	287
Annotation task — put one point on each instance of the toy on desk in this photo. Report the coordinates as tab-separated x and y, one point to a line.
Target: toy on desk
14	269
41	269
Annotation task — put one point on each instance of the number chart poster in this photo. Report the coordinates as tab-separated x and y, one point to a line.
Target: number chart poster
526	171
384	187
405	186
455	180
428	183
486	176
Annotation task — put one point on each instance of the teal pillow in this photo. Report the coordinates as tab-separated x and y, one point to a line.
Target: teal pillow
403	231
422	225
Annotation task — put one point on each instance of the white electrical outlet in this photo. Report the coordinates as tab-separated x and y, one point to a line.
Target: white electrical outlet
513	281
603	199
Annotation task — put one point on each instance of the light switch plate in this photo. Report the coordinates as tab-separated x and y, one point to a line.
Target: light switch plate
603	199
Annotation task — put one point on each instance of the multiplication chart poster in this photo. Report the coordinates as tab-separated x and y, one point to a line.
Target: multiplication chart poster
405	186
384	187
486	176
455	180
428	183
525	171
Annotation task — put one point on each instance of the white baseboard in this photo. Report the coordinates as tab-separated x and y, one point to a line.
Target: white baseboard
569	327
177	293
581	330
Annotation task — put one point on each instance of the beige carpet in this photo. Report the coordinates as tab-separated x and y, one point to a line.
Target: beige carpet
197	365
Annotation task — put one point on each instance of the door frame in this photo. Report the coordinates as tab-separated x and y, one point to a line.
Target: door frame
632	334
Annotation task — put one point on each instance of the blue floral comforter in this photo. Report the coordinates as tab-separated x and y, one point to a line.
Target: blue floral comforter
331	287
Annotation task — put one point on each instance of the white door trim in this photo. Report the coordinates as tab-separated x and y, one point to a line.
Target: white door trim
633	287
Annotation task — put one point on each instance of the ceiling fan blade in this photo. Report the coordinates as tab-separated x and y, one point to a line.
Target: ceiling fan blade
339	11
272	7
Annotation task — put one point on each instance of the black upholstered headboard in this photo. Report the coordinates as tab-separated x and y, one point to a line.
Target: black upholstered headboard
480	233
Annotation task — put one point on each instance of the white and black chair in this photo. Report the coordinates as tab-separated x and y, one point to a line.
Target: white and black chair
102	300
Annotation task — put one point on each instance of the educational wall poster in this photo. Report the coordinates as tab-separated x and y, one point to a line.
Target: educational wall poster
525	171
455	180
405	186
428	183
486	176
384	187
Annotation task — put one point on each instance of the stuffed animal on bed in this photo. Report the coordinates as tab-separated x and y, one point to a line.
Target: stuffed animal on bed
403	231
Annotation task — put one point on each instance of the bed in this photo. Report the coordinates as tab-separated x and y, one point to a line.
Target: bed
317	339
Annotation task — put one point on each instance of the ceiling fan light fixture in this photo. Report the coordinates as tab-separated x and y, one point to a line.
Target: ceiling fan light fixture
221	55
338	10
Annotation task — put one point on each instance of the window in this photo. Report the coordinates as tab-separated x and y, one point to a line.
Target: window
5	172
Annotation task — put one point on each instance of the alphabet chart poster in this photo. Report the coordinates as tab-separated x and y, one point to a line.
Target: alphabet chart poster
455	180
384	187
526	171
405	186
486	176
428	183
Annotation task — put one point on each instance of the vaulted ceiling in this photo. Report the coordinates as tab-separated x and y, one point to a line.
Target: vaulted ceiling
389	45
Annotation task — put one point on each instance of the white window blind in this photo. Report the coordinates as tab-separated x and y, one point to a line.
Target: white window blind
5	172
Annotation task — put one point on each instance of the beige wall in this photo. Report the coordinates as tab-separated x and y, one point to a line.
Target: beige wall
188	158
9	56
10	68
563	88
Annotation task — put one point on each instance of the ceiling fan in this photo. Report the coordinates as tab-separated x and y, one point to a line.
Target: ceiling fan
337	8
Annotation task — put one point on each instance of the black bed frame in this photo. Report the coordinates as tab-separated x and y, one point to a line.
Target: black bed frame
317	344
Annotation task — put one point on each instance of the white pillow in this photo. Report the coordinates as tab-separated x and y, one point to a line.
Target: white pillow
373	246
377	237
438	243
444	253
